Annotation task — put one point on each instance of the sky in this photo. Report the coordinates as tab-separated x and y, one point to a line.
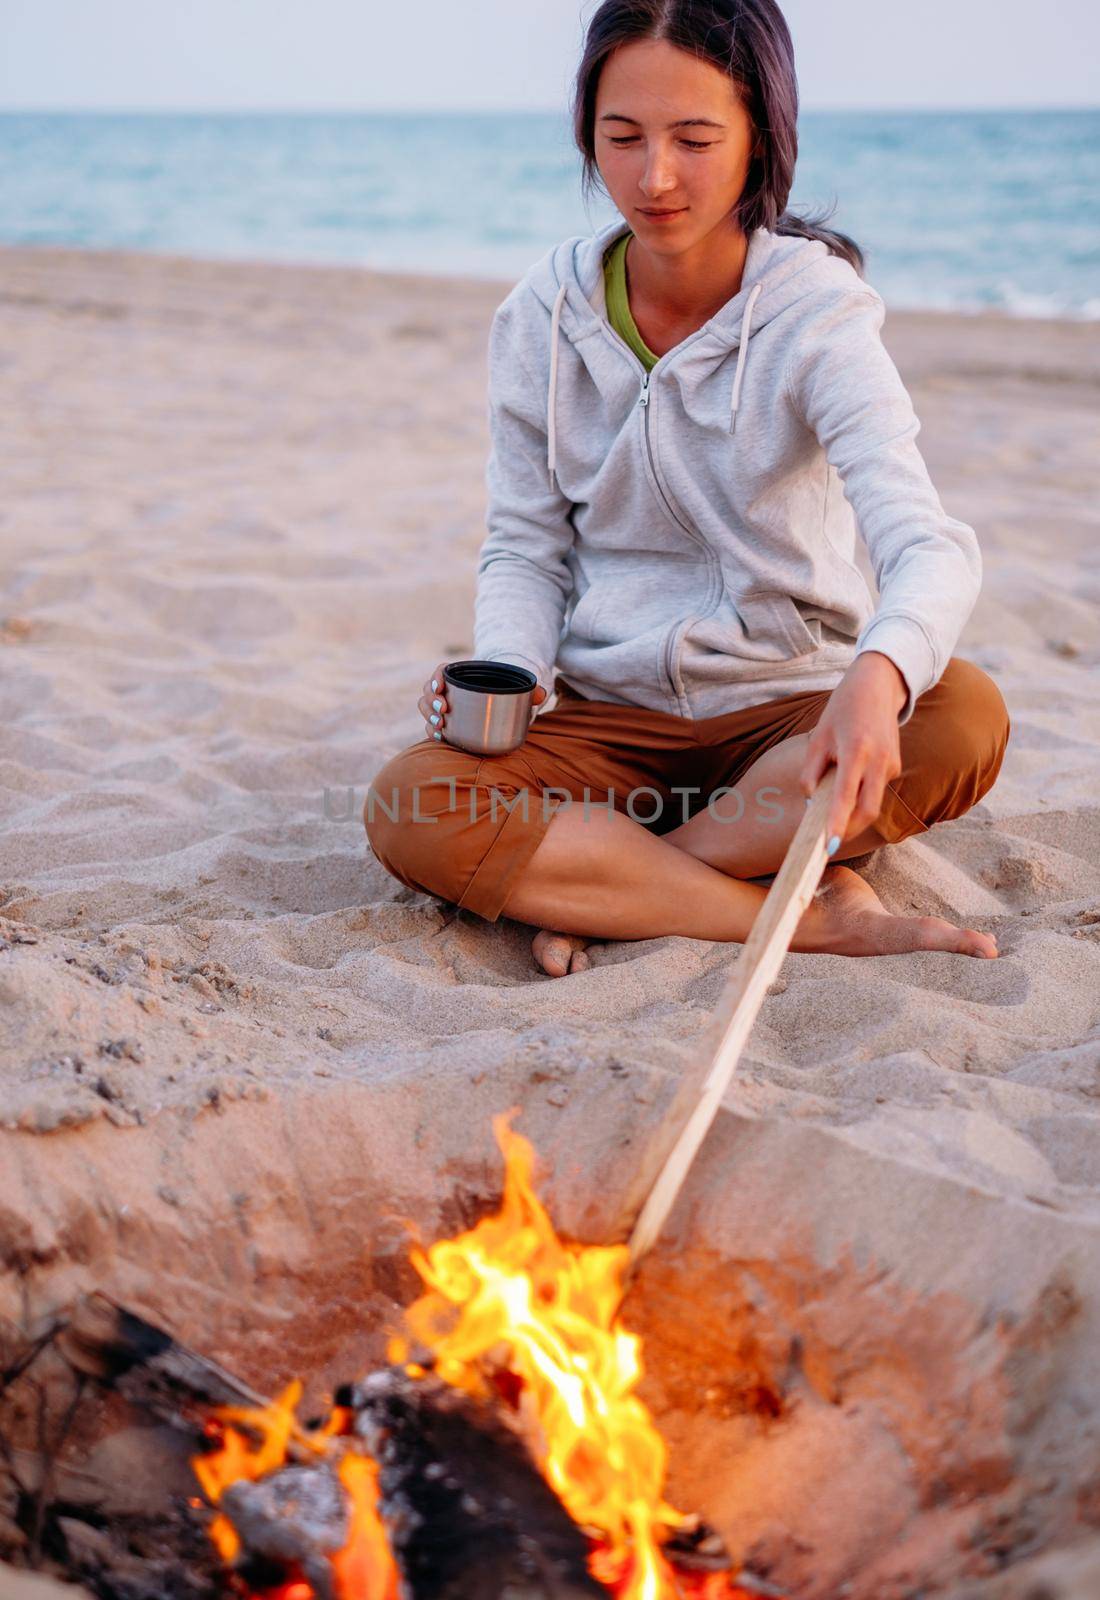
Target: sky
512	54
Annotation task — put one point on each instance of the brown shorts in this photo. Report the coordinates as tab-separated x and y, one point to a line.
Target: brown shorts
464	826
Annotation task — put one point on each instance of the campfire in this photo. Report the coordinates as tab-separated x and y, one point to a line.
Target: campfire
516	1370
504	1451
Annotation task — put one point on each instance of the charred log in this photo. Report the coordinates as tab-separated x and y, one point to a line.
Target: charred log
468	1514
87	1489
104	1340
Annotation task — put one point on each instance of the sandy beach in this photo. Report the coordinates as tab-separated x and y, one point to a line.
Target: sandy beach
240	509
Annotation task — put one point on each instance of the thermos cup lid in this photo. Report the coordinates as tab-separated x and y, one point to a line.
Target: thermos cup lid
490	677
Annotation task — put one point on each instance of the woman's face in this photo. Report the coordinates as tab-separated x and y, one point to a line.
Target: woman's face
697	169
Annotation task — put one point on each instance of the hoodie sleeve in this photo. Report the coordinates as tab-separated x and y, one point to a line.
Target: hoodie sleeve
928	566
523	581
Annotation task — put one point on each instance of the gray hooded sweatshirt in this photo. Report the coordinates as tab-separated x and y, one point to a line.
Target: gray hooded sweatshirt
684	539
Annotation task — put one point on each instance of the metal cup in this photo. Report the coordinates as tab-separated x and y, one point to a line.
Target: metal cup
488	705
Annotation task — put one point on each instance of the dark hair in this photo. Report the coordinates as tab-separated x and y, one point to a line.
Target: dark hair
750	42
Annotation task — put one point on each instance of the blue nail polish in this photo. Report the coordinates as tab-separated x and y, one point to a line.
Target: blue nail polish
437	736
437	705
833	846
435	683
434	720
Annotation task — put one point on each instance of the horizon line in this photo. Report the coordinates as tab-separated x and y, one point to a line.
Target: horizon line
446	111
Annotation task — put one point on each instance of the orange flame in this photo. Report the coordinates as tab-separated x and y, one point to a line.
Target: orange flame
506	1297
364	1569
509	1293
252	1450
254	1441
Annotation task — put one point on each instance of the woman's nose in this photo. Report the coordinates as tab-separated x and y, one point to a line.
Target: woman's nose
658	177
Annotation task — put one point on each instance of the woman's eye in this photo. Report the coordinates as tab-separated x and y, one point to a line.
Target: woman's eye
692	144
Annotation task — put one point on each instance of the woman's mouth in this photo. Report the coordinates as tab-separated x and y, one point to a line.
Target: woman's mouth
663	216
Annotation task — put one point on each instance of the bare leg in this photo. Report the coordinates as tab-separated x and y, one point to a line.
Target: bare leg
603	876
747	832
744	834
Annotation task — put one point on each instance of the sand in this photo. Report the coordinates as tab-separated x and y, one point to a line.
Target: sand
240	508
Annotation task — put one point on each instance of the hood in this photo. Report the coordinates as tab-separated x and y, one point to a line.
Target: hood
779	269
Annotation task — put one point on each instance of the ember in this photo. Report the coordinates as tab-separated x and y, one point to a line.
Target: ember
523	1330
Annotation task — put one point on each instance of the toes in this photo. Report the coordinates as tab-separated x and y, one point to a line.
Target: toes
555	956
552	952
559	953
971	942
939	934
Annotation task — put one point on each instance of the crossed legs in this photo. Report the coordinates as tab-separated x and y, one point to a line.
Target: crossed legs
601	875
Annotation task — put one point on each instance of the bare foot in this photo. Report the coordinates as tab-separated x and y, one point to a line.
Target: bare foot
560	953
847	918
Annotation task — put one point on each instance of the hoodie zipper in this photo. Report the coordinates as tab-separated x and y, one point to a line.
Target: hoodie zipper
680	627
643	400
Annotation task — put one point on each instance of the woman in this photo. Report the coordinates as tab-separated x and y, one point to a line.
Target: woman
689	411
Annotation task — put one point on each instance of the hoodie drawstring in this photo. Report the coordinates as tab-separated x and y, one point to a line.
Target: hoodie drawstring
552	398
741	353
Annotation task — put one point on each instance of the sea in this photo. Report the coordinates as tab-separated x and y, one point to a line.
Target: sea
958	210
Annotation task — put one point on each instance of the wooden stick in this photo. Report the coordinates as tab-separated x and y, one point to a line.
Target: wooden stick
724	1039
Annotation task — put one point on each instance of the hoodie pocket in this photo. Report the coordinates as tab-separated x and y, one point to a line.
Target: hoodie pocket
775	627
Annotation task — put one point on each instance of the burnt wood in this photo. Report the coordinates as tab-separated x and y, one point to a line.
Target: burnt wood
468	1514
105	1341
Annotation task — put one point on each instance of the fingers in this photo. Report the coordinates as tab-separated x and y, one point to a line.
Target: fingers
432	704
818	757
843	804
872	792
874	764
857	798
865	765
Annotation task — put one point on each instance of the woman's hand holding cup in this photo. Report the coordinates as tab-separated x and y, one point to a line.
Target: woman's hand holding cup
433	706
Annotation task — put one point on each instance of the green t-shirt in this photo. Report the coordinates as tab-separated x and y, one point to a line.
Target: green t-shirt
618	306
